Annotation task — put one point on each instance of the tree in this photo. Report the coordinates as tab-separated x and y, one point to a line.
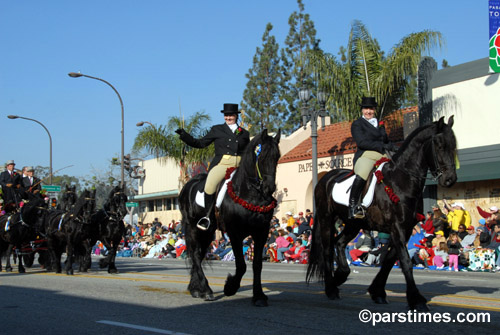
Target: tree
261	98
163	143
366	71
301	38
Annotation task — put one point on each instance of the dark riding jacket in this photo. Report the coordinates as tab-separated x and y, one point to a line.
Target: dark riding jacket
10	193
225	141
367	137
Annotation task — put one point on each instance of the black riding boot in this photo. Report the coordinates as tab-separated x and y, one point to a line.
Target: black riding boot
204	222
355	209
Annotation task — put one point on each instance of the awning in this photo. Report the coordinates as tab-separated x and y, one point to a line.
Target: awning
151	196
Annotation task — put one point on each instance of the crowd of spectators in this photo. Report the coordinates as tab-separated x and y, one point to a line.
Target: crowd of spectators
445	240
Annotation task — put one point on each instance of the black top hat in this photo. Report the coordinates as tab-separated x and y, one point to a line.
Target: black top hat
230	109
368	102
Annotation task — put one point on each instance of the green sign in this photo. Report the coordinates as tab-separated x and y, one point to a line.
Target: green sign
131	204
51	188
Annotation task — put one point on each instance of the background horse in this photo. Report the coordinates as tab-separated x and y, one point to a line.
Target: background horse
253	184
68	198
430	147
107	226
69	231
21	229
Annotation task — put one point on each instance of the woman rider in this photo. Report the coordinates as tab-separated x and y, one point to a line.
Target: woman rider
229	141
372	142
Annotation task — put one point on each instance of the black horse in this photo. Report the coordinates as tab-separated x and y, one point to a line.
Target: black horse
69	231
430	147
247	209
19	228
68	198
107	226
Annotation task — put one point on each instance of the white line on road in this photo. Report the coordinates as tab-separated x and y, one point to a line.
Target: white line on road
149	329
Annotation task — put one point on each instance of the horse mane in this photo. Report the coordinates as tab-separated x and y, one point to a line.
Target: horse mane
410	138
268	157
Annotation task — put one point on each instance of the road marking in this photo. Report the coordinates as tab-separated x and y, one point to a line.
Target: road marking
149	329
392	294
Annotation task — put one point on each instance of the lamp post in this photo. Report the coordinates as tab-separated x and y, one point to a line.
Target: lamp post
312	115
141	123
77	75
13	117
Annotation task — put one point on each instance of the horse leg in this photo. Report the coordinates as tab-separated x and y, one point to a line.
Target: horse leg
259	299
20	266
196	248
69	257
233	282
8	267
416	301
343	270
112	257
377	287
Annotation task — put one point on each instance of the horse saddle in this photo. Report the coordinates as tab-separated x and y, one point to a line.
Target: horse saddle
200	195
342	190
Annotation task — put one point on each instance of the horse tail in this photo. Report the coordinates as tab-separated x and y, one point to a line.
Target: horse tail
316	261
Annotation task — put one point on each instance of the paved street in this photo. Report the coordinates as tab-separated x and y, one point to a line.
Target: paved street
149	296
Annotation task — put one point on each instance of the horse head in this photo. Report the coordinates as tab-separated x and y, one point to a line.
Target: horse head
261	156
116	202
443	156
88	205
69	198
33	208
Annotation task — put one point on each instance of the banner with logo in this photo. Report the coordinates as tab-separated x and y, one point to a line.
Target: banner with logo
494	12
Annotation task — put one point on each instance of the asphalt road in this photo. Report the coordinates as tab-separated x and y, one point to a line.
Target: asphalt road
149	296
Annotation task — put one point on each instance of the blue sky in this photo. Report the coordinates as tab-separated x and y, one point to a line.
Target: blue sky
160	54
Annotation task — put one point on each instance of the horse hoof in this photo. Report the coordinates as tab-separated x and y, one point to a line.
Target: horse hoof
22	271
260	303
195	294
209	297
8	269
380	300
113	271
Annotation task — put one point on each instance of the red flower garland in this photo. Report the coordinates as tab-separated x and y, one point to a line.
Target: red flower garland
242	202
380	178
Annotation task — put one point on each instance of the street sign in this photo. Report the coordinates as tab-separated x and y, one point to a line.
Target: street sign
51	188
131	204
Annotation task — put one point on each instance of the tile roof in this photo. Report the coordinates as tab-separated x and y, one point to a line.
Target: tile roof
336	138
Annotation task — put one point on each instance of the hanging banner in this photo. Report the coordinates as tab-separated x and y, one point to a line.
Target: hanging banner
494	12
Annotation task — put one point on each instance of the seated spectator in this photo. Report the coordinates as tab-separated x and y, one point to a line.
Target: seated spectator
362	246
440	255
416	236
428	227
180	246
462	232
425	256
303	226
438	238
484	233
291	236
293	254
468	240
439	220
282	244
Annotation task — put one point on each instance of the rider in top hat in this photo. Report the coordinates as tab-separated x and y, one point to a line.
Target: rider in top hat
10	181
372	142
229	141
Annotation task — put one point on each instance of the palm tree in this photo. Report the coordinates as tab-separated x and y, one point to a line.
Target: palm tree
366	71
163	143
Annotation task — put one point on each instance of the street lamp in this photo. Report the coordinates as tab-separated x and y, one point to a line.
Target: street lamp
141	123
77	75
13	117
305	96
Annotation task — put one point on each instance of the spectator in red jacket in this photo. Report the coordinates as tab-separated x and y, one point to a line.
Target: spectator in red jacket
293	254
428	226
